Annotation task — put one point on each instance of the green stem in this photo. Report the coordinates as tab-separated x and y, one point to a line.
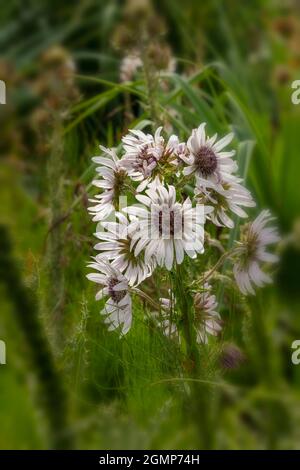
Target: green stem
55	245
146	297
217	265
52	395
184	301
200	390
151	85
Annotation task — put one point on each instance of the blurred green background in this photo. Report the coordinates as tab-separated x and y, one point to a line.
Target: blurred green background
68	383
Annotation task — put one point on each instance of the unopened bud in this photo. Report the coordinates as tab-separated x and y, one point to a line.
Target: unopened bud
231	356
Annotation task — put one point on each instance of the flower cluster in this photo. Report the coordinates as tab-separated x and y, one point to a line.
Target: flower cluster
174	188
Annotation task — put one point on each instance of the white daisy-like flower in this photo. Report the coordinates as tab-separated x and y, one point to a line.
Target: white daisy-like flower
207	159
111	178
118	308
207	319
223	198
167	229
144	151
117	245
251	251
130	65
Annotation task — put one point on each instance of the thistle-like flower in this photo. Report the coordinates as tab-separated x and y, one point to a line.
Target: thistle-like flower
117	310
207	159
112	177
167	229
117	245
223	198
143	152
207	319
251	251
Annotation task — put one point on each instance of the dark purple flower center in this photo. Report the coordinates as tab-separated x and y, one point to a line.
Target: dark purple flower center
116	296
206	161
145	158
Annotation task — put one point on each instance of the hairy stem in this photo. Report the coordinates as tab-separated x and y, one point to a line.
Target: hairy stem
52	395
146	297
217	265
200	392
151	85
55	290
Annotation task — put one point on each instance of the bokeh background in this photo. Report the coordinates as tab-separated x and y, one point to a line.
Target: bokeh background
68	383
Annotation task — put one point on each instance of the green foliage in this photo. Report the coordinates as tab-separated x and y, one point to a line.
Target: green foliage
141	391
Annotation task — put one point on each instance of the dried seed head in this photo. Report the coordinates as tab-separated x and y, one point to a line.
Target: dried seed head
160	56
285	26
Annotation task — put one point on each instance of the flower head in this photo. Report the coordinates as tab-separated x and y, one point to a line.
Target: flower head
111	179
167	229
143	152
117	246
224	198
207	319
251	251
117	310
207	159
